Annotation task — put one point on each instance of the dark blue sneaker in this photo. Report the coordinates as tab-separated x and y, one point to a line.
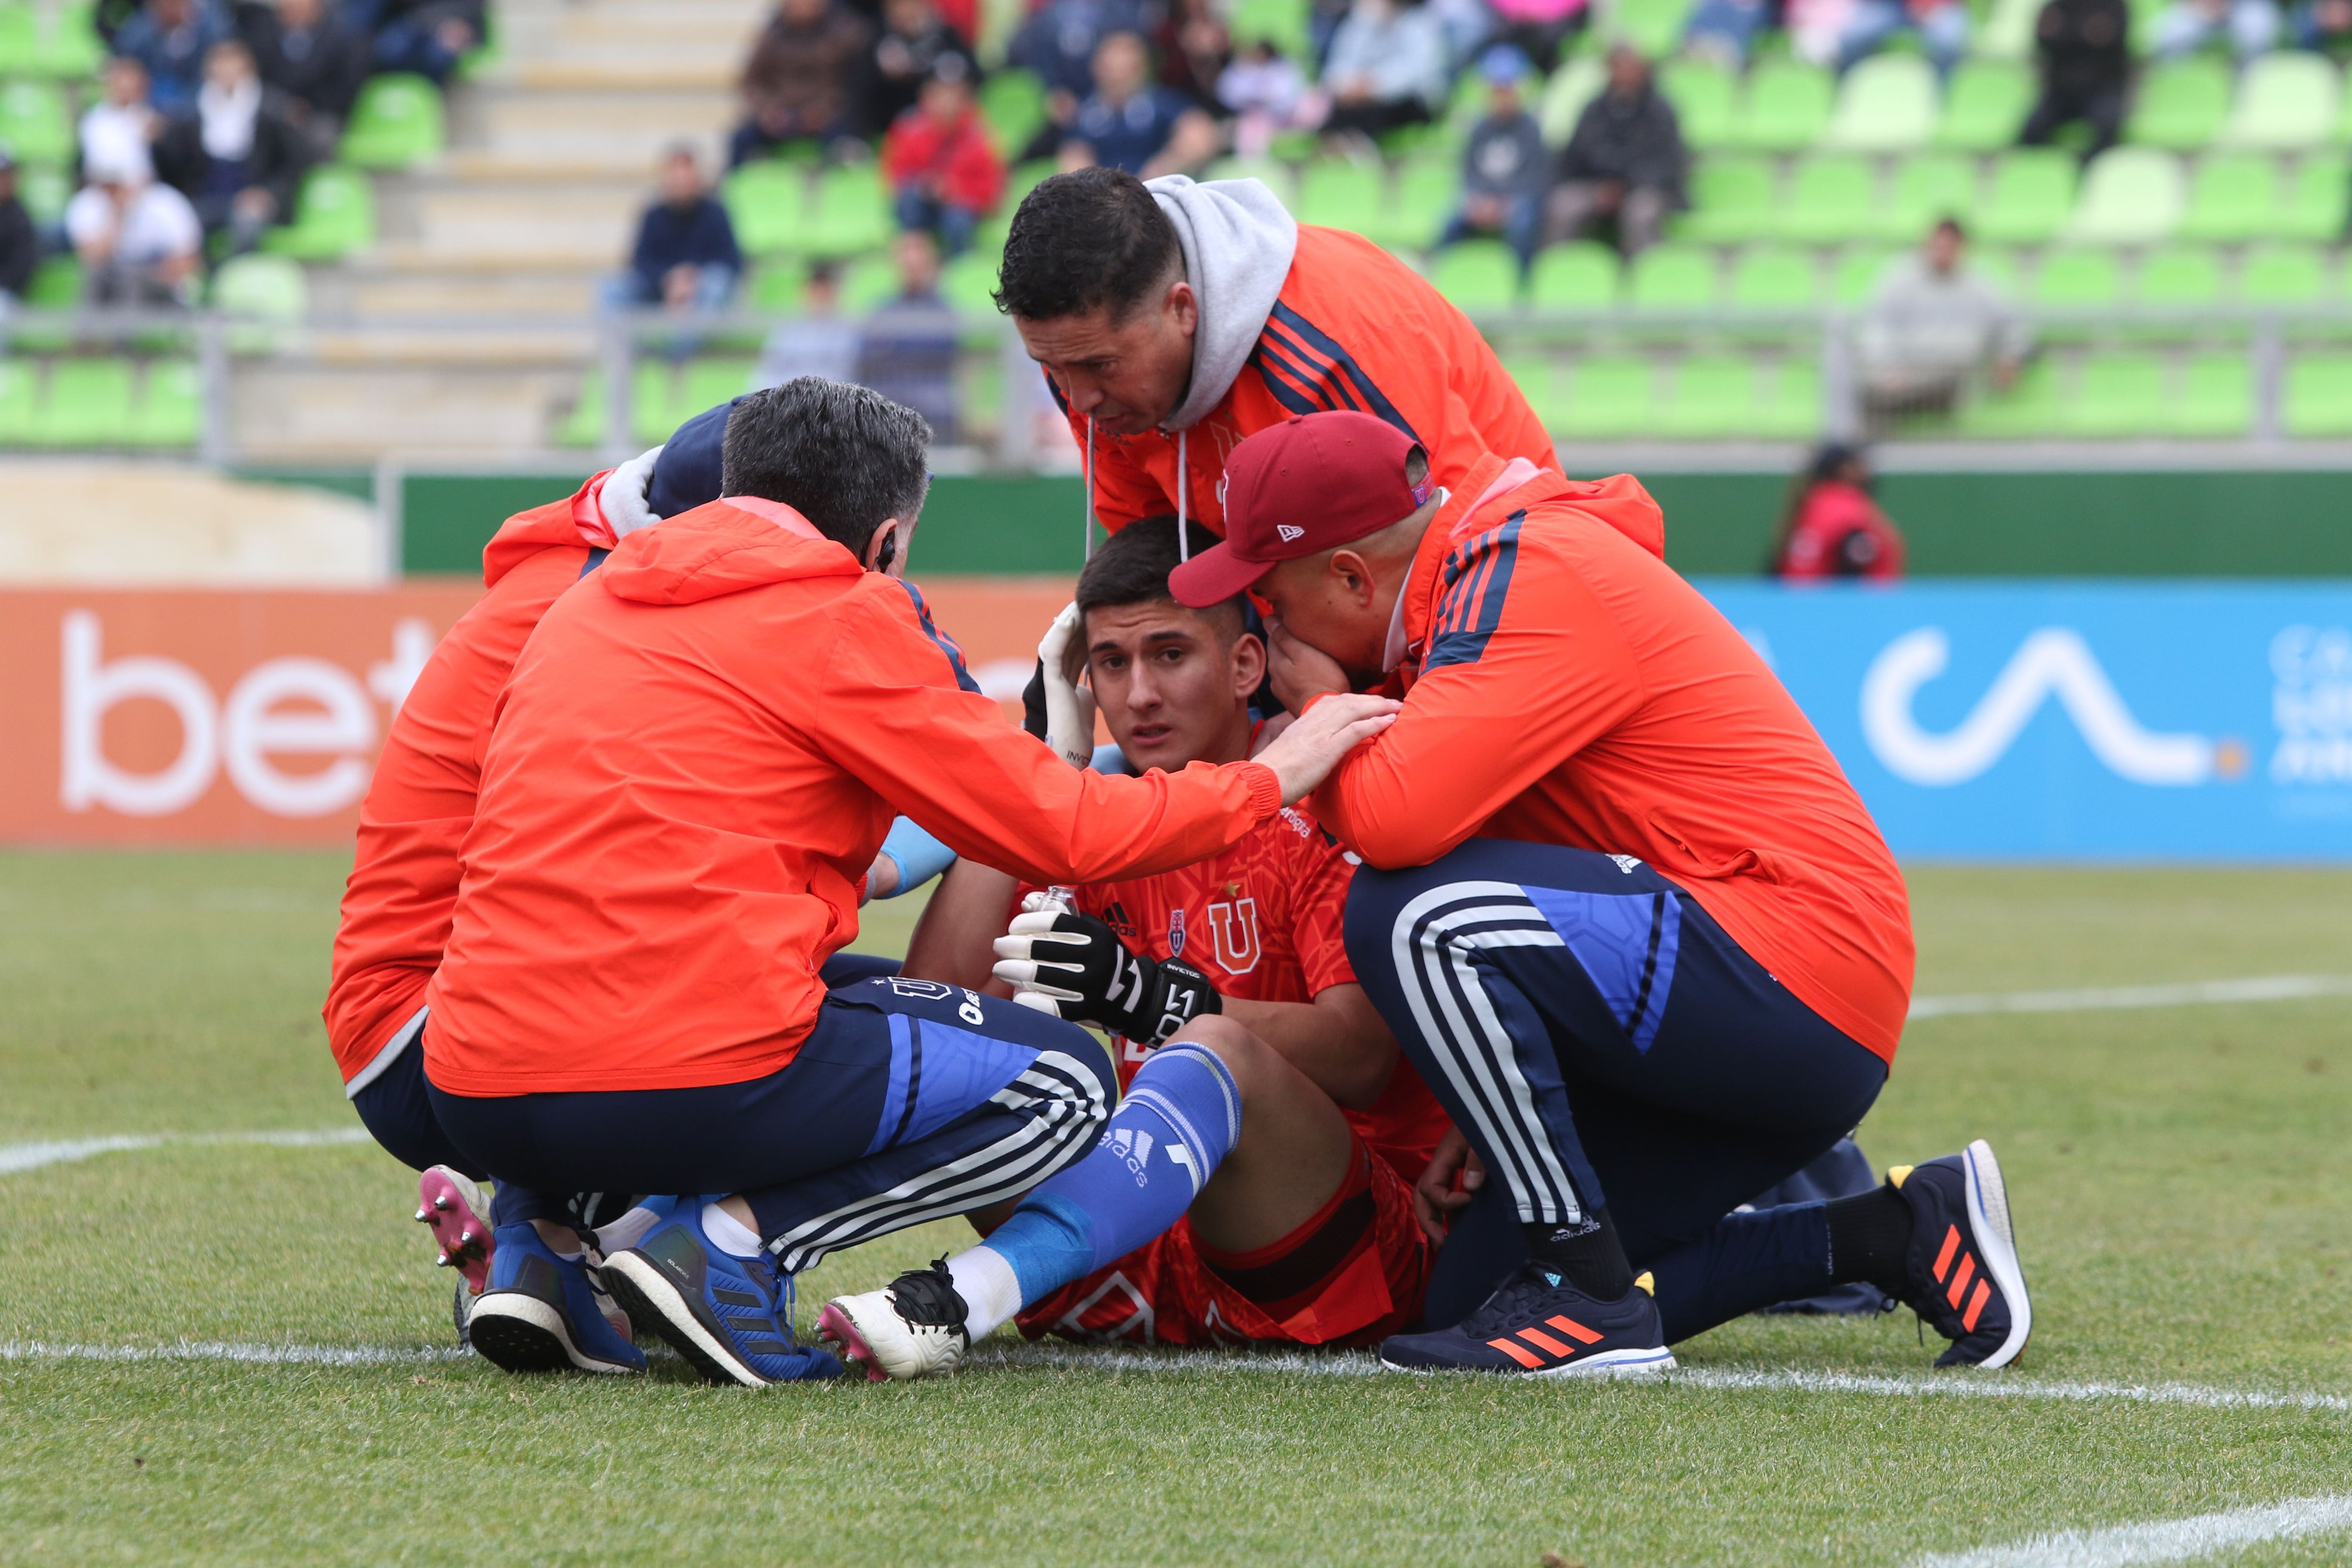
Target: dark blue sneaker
1535	1324
543	1313
1964	1277
730	1317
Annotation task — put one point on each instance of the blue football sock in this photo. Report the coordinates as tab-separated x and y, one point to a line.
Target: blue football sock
1179	1121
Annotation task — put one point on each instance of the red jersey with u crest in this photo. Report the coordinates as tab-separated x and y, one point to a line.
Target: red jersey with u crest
1266	922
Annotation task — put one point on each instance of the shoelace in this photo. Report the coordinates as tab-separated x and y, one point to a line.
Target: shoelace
1509	1302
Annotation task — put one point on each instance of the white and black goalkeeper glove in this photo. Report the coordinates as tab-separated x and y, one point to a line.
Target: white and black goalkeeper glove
1069	707
1074	967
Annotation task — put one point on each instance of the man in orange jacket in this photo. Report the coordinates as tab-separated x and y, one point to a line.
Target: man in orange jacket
689	771
1619	904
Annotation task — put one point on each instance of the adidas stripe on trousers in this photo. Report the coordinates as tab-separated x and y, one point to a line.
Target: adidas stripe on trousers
909	1101
1600	1039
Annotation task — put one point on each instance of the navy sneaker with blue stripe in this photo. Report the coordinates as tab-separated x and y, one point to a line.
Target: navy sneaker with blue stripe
730	1317
1537	1324
544	1314
1965	1279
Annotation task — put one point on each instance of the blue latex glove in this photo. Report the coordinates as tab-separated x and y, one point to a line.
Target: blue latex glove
917	855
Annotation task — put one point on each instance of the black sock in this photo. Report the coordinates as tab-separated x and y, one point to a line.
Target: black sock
1870	1239
1587	1254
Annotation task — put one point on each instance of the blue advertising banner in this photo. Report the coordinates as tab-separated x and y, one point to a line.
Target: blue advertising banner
2078	721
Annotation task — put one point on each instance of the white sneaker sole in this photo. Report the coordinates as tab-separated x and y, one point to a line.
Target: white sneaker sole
1627	1363
523	1333
652	1301
1988	1198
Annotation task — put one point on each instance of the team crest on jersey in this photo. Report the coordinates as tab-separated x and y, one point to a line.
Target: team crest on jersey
1176	934
1233	932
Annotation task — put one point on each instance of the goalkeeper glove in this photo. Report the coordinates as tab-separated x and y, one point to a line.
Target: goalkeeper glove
1074	967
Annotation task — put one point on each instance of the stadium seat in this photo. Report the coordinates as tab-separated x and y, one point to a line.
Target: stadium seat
2133	195
1788	400
778	286
1274	176
1653	26
1578	81
1857	274
2216	397
17	377
2116	394
1536	375
1579	276
171	409
2181	104
658	403
2318	396
1608	394
968	283
1481	277
89	403
67	45
1731	200
2033	190
261	287
2077	279
1340	192
2286	101
1714	396
1984	106
2232	197
334	216
1281	23
2027	411
764	202
1706	98
2315	207
2281	275
1926	188
1421	204
868	281
849	212
1831	197
19	37
1886	104
1013	102
1997	265
2181	277
397	123
33	122
712	381
1776	279
1788	104
1672	278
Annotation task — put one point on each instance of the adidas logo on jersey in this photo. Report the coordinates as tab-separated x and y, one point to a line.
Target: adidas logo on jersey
1626	863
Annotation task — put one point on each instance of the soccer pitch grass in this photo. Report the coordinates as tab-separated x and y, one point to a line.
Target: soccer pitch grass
2182	1179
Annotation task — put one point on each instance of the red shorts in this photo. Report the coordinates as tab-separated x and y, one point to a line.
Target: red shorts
1163	1293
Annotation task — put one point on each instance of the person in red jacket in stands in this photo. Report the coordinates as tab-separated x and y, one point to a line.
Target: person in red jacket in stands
1832	527
944	175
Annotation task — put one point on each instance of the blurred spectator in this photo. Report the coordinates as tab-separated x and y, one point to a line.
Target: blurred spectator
944	173
427	37
1503	172
2085	46
1624	162
1389	68
237	155
1194	47
1833	528
1942	26
2324	24
138	240
1931	325
170	37
815	341
1267	93
1130	122
119	131
912	40
1725	31
1058	43
797	84
20	246
909	352
2183	28
1539	26
307	55
686	258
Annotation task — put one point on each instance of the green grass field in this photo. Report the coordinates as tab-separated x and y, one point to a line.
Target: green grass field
2182	1179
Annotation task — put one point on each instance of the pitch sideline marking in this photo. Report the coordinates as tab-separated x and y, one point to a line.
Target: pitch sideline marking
2165	1541
19	1157
2257	988
251	1354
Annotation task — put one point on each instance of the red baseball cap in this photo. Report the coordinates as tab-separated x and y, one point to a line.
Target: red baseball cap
1312	483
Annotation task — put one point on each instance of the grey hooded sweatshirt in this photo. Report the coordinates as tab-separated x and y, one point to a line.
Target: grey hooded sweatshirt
1238	241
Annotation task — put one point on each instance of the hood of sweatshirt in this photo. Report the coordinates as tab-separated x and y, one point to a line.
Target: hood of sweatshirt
718	549
1238	241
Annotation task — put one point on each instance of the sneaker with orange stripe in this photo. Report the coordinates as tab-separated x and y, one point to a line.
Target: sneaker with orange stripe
1535	1324
1964	1277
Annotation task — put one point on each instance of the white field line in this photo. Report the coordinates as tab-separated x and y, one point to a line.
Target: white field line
16	1157
2259	988
2166	1541
255	1354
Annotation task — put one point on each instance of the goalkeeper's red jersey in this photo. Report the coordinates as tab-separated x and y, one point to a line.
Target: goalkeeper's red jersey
1264	921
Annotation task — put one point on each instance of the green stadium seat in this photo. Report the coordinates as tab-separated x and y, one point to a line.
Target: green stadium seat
1672	278
89	403
658	402
171	411
867	282
1481	277
1927	188
968	283
2028	409
2181	104
1731	200
1013	102
2315	207
1579	276
2232	197
1997	265
2179	278
1789	402
2076	279
1340	192
1578	81
1274	176
1831	197
1714	396
780	287
397	123
1426	190
261	287
1608	394
19	37
2216	397
334	216
764	202
2282	275
2318	396
712	381
1653	26
2005	32
67	46
1281	23
1536	375
2116	394
1776	279
1023	179
2032	191
2132	195
55	285
1985	105
848	213
1706	98
44	189
2286	101
17	409
1788	105
33	122
1858	272
1886	104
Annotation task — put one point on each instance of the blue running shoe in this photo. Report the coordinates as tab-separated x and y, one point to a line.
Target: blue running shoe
1535	1324
730	1317
1965	1279
543	1313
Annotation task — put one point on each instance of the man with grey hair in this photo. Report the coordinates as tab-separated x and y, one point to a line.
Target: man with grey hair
693	765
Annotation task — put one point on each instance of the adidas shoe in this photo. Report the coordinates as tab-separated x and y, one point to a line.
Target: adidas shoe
454	1208
544	1314
1535	1324
1964	1277
730	1317
913	1327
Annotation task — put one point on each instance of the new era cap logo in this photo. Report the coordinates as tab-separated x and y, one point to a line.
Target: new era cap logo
1289	532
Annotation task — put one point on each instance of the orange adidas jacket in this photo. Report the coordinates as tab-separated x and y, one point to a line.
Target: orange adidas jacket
1563	686
1353	328
691	769
404	880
